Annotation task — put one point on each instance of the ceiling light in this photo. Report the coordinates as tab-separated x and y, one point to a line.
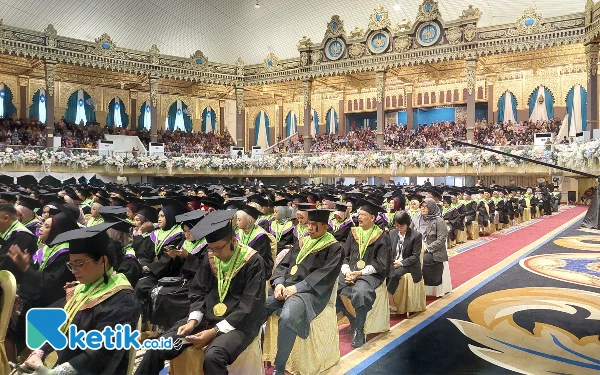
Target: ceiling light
257	5
397	7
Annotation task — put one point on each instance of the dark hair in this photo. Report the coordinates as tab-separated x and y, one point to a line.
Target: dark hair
402	218
9	209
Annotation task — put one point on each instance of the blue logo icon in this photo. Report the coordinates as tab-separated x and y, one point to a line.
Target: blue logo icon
43	326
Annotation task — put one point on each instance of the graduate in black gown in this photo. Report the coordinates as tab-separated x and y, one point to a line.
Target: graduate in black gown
43	279
225	319
341	224
303	283
172	302
100	298
253	236
155	253
26	212
367	260
13	232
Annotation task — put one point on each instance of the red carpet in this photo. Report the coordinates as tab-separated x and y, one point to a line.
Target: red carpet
467	265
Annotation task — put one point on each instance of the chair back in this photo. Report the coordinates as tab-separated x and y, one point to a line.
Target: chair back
133	352
9	292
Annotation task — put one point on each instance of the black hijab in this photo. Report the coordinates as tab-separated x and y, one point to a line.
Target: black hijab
60	223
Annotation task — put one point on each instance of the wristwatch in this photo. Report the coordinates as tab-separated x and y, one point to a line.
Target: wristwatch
217	330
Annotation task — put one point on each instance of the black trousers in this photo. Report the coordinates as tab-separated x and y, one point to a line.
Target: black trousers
394	278
219	353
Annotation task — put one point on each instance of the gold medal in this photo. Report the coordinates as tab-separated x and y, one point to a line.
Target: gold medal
360	264
294	269
220	309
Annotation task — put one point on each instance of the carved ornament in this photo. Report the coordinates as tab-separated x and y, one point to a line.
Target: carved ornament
356	50
154	54
470	31
454	35
357	33
402	43
51	33
379	19
428	11
305	43
50	78
335	28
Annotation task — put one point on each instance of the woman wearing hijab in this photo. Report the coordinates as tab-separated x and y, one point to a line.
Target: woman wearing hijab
43	280
95	217
155	252
171	301
435	234
282	227
341	223
100	298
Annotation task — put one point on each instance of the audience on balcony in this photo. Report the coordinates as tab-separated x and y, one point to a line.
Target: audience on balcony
29	132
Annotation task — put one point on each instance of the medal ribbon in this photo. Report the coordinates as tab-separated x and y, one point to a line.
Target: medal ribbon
362	244
159	243
246	238
311	244
232	265
77	301
279	234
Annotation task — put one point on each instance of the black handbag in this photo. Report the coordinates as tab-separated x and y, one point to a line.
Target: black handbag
171	281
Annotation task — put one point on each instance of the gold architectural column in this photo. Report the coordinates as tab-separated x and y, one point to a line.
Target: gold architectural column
50	79
408	90
153	108
490	80
342	118
380	80
221	116
471	66
23	84
133	111
240	118
591	54
307	92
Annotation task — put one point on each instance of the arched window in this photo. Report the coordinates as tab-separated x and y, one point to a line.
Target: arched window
80	108
38	106
179	117
209	120
117	115
261	130
291	123
332	121
145	116
7	108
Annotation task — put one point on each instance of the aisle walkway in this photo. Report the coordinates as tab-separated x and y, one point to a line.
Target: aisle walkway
386	354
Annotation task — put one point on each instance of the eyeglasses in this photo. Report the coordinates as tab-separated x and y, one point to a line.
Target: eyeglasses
73	267
217	249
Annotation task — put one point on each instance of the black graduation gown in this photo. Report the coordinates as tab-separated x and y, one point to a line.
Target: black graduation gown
131	268
40	289
342	233
245	300
262	245
378	254
470	208
319	270
172	302
459	223
120	308
287	238
484	217
451	218
26	241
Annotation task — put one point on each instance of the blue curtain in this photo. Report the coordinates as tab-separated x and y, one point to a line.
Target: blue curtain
532	100
335	120
501	103
34	108
257	128
513	102
548	102
316	117
145	107
9	107
187	120
291	124
583	108
210	118
71	112
110	119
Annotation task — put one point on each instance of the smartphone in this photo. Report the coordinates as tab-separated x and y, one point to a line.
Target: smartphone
21	370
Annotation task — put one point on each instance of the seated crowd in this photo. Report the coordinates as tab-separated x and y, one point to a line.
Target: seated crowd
30	132
209	265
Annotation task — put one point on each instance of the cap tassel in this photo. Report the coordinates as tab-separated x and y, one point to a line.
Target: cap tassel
105	275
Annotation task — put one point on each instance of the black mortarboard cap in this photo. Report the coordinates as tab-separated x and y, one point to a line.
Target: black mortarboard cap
82	234
281	203
215	226
249	210
103	201
370	206
116	201
319	215
148	212
341	206
113	210
30	203
305	206
447	198
191	217
10	196
120	224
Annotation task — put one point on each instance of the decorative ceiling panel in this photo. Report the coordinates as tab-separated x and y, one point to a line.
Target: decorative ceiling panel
227	29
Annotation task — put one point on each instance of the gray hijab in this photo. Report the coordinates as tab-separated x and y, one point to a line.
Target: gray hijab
423	221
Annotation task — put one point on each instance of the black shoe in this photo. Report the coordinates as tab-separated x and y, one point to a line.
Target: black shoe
279	371
359	338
